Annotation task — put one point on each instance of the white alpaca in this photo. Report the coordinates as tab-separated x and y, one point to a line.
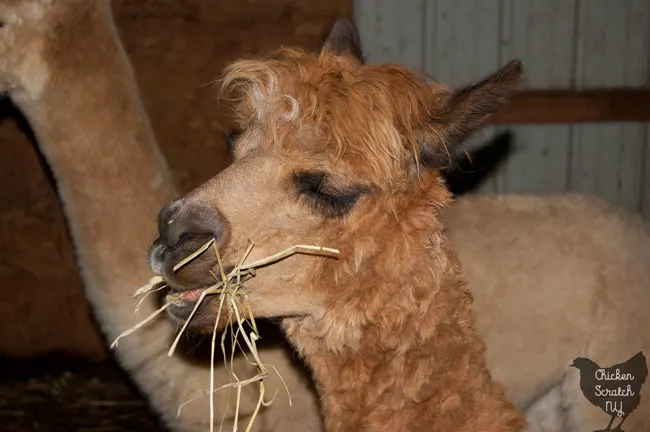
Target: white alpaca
554	277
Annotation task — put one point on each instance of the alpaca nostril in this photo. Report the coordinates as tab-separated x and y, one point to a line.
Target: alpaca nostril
172	233
168	226
179	220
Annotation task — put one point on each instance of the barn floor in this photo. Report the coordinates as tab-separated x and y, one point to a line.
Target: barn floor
56	394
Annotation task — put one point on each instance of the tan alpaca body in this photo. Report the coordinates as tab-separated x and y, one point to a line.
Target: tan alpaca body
567	277
111	243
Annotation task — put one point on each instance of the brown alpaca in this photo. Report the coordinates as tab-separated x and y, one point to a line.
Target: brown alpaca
566	274
345	155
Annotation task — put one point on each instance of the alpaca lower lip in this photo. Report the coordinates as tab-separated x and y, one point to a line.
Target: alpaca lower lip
185	298
181	299
180	311
181	304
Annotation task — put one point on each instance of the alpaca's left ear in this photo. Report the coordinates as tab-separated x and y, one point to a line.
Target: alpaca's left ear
344	40
465	110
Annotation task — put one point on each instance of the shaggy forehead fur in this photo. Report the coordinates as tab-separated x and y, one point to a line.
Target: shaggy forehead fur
373	117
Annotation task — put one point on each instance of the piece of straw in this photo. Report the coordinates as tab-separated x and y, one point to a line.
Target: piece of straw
140	324
144	297
148	286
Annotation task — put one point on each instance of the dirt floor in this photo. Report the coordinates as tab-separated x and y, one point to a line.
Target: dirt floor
59	394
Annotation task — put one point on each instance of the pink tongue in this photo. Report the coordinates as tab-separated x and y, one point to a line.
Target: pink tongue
191	295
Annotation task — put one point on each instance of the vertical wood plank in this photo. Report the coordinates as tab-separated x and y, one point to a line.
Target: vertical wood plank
612	43
644	198
461	45
461	39
539	162
391	31
607	160
368	22
540	33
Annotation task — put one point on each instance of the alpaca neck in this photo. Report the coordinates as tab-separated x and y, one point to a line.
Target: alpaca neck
112	179
110	175
419	366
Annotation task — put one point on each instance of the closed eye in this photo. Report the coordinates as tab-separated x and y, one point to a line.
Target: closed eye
325	195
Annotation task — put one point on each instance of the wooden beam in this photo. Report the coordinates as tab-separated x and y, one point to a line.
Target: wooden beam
577	106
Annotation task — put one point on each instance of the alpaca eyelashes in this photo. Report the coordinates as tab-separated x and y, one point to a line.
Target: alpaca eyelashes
325	196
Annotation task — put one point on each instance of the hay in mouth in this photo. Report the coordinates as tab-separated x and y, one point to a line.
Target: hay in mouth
233	297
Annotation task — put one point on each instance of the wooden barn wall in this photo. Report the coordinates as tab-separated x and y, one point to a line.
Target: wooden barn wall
564	44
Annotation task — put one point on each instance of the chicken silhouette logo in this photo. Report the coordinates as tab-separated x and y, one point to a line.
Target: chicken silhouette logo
616	389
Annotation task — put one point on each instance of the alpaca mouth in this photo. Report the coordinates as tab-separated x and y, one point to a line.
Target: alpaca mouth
183	300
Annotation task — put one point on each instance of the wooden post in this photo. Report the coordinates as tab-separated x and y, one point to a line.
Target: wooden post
577	106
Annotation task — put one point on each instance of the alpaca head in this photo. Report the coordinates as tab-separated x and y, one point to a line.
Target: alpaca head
329	152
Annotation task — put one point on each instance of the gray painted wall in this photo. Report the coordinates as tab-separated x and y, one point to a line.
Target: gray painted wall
564	44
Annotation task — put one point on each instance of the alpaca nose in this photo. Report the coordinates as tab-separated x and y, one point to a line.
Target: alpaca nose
179	218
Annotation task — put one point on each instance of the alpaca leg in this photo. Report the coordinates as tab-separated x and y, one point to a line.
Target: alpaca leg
63	65
581	414
546	414
618	426
609	425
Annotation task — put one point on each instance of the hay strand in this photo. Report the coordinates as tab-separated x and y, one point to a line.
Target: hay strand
302	249
139	325
148	286
144	297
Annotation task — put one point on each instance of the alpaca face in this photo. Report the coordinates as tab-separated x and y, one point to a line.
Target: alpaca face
329	151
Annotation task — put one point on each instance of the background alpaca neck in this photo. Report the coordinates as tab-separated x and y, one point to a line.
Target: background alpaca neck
91	127
411	358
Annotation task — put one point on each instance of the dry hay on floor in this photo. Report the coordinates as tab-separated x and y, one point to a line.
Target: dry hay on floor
59	394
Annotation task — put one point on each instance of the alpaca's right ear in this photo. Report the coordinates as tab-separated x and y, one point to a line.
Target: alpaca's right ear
466	110
344	40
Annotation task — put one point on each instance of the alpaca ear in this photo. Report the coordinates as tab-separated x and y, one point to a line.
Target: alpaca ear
344	40
465	110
